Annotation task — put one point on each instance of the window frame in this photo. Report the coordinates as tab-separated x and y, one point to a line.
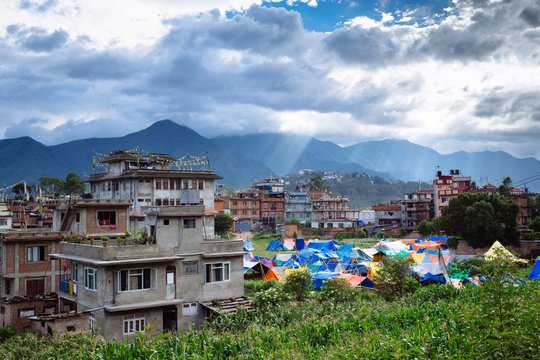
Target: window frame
133	322
106	211
129	275
191	265
31	252
192	309
87	272
186	223
209	269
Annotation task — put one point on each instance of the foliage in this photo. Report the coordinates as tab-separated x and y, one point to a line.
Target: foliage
505	187
223	223
530	236
534	225
266	236
317	183
425	228
381	235
337	290
403	231
481	219
73	184
51	184
271	297
436	322
393	278
19	189
297	284
294	221
7	332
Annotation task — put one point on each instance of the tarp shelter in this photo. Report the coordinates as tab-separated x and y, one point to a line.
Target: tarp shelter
274	273
288	245
435	278
498	249
274	246
356	280
431	245
287	272
300	244
320	277
282	258
373	271
248	246
535	272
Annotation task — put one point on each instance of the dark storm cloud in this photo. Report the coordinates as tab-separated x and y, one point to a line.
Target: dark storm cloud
531	15
516	106
36	39
104	65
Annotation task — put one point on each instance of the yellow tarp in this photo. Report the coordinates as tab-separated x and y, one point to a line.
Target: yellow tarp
498	250
290	271
372	271
417	258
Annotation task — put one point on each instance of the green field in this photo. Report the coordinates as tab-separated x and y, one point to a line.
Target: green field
437	322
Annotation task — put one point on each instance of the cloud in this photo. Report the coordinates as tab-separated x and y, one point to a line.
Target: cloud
37	39
531	15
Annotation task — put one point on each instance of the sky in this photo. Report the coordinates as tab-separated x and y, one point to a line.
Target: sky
452	75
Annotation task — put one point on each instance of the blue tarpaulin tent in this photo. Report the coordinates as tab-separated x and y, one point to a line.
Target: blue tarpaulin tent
300	244
535	273
248	246
274	246
436	278
320	277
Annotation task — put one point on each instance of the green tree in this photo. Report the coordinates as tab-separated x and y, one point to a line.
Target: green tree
18	189
481	219
425	228
294	221
506	186
381	235
73	184
51	184
393	278
317	183
298	284
223	223
534	225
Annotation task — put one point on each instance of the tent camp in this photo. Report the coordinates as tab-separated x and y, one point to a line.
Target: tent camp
274	246
535	273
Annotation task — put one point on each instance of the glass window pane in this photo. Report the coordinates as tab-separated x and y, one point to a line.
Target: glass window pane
147	280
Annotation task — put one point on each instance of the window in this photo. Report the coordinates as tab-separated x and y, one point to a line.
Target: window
201	184
185	184
266	205
134	323
253	212
172	184
35	253
115	184
233	212
165	221
108	186
177	202
190	267
178	184
105	218
26	313
158	184
217	272
158	202
166	184
165	202
234	202
3	222
134	279
78	217
189	309
74	271
90	278
189	223
35	287
244	212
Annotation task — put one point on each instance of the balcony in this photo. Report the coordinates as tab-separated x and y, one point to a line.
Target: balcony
68	287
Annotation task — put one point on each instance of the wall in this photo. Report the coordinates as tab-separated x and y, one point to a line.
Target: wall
524	248
80	322
10	312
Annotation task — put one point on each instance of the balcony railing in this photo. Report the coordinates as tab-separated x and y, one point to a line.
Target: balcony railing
68	287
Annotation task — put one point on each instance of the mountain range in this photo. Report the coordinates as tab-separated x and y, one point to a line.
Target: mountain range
241	159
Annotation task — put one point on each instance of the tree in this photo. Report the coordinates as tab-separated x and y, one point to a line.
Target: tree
534	225
481	219
294	221
51	184
381	235
393	278
223	223
74	184
298	284
506	186
425	227
19	189
317	183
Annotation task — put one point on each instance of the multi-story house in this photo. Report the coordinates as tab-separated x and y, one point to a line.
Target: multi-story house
446	187
298	206
244	208
328	211
163	283
6	217
387	215
416	207
272	202
26	268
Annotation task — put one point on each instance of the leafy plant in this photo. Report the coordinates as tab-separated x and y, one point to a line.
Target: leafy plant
298	283
337	290
393	278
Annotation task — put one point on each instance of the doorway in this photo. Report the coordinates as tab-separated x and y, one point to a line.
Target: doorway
170	316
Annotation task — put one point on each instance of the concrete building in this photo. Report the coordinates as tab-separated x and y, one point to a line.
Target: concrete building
416	207
272	202
446	187
244	207
328	211
26	268
6	217
163	283
298	206
387	215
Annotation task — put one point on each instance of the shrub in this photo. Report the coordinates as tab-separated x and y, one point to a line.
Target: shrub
381	235
337	290
403	231
394	279
269	298
7	332
530	236
298	284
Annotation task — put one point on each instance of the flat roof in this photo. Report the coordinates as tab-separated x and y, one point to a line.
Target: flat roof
142	305
114	262
146	173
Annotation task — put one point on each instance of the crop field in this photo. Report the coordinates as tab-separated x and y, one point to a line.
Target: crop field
436	322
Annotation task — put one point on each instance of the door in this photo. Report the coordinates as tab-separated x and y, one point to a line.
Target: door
170	314
171	282
35	287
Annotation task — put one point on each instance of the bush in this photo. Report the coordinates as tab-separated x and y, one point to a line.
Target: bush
381	235
7	332
403	231
394	279
337	290
269	298
297	284
254	286
530	236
